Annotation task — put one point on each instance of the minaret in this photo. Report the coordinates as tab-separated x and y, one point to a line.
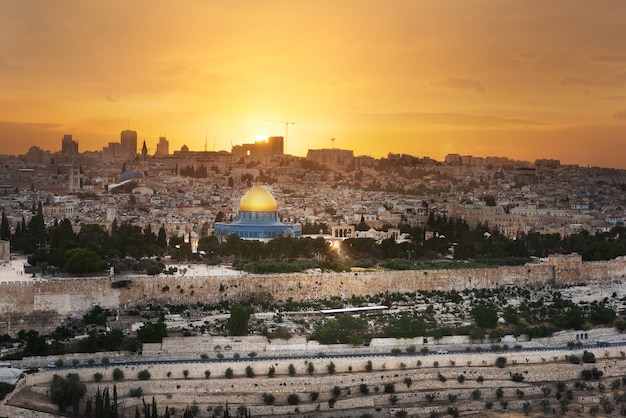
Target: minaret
144	150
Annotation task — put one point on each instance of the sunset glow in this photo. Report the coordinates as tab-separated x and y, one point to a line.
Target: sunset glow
527	80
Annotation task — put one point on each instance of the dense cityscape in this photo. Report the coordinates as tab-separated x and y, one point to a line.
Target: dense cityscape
124	213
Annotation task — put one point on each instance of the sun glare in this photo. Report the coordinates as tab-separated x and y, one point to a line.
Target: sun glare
261	137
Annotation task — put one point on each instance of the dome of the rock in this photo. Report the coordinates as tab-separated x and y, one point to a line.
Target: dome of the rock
258	199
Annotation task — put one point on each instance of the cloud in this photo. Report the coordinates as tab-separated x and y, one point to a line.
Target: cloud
616	80
608	58
526	56
614	97
411	119
6	66
575	81
621	115
463	84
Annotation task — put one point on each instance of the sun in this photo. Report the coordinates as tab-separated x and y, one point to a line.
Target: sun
261	137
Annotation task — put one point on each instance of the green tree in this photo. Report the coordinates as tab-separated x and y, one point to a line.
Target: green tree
143	375
486	316
67	391
5	229
152	332
331	368
118	374
239	317
81	261
344	329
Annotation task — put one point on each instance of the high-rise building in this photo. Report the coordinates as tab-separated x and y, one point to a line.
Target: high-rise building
273	146
129	143
334	156
69	147
163	147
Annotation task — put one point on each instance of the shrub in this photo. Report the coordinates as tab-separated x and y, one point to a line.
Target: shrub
517	377
271	372
143	375
501	362
364	389
396	351
499	393
441	377
268	398
310	368
368	366
229	374
574	359
589	357
390	388
135	392
410	349
461	378
207	374
331	368
118	374
249	372
314	395
476	394
408	382
291	369
293	399
336	391
589	374
97	377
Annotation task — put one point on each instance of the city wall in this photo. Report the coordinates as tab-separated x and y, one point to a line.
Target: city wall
44	305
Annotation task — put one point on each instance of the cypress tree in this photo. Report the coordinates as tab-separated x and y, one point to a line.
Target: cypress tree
5	230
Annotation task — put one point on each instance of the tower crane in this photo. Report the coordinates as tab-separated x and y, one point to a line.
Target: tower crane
287	123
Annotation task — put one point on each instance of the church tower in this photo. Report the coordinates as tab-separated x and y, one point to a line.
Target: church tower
76	178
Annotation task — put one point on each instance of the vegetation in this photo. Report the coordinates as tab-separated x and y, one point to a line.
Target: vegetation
127	247
67	391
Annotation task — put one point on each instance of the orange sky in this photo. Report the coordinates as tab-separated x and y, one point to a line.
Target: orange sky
524	79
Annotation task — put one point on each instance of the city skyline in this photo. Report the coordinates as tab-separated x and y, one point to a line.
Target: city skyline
525	80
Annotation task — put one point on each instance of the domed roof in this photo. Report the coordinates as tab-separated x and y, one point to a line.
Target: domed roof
257	199
130	175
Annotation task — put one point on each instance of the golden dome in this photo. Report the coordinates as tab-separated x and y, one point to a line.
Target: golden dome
257	199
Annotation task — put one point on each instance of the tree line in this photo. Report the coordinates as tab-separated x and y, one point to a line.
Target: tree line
58	249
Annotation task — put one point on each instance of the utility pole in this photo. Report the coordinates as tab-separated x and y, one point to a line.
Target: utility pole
287	123
332	141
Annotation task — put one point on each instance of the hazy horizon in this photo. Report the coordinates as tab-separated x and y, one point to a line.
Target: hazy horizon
524	80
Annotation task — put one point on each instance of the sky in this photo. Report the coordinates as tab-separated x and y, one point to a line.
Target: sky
522	79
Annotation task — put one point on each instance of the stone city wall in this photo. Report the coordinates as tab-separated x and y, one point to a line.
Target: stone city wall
43	305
